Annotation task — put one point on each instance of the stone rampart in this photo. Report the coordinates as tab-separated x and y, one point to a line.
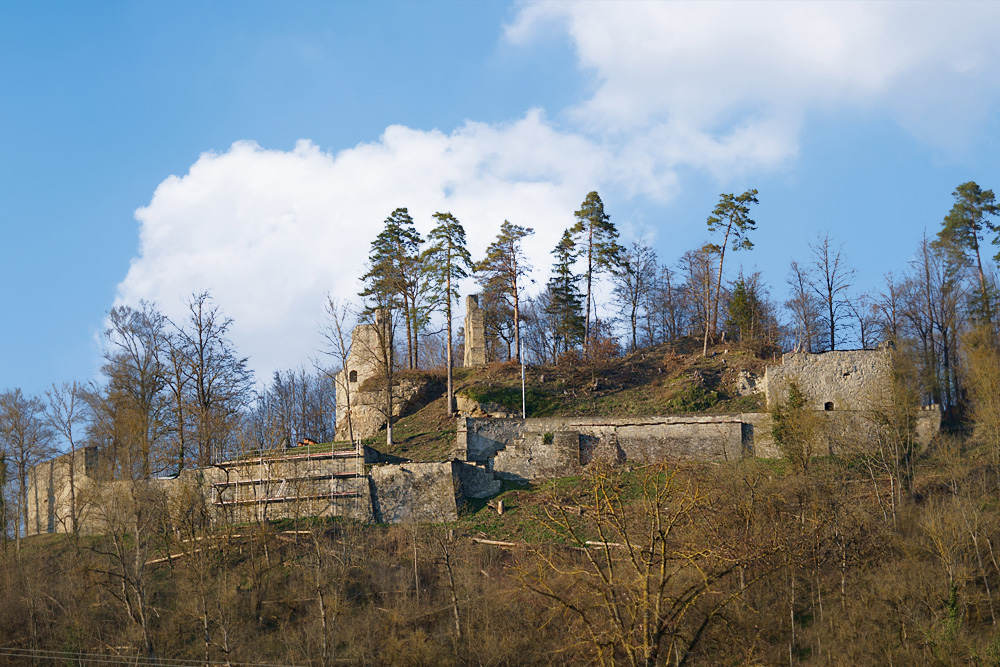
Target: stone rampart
539	456
291	486
640	439
274	485
832	381
421	492
53	486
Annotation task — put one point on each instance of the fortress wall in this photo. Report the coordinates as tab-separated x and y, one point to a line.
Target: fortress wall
540	456
419	492
290	486
640	439
847	379
839	433
251	489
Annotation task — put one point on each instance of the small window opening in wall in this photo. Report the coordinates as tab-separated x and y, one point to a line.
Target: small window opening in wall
353	376
828	406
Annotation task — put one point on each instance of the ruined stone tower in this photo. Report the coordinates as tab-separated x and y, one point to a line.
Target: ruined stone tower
366	360
475	333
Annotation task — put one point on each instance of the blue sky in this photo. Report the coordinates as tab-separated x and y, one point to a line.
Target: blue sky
150	150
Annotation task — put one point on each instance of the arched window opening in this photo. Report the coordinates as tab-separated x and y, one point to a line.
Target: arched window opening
828	406
353	376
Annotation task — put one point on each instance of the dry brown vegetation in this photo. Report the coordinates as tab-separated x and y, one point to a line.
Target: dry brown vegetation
737	564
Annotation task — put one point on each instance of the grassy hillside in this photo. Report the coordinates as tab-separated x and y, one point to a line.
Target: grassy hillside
665	379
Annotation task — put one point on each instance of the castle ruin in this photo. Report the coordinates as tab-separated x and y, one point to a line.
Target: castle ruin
475	333
842	388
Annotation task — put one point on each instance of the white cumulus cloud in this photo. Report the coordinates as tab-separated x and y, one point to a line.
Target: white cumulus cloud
722	87
726	85
270	232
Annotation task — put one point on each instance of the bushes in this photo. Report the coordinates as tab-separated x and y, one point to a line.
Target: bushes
809	564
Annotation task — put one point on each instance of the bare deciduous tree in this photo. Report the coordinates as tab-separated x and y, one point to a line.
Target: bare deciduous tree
831	281
337	343
633	281
25	440
67	412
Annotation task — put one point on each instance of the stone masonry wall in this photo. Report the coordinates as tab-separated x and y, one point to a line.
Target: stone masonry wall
50	495
701	437
838	433
539	456
835	380
414	492
291	486
368	408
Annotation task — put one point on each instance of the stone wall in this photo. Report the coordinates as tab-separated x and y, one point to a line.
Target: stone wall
474	481
831	381
291	486
368	408
840	433
539	456
420	492
50	495
928	424
640	439
263	488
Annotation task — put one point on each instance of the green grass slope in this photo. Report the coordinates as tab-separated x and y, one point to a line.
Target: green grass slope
664	379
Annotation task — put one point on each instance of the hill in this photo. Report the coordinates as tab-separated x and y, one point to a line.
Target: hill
663	379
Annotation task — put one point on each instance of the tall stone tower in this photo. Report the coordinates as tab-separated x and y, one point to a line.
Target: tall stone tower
366	360
475	333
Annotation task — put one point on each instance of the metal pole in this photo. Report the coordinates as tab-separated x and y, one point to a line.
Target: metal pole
520	355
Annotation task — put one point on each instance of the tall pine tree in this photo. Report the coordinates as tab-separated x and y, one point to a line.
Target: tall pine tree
565	302
597	237
731	216
388	284
962	232
394	273
504	270
446	262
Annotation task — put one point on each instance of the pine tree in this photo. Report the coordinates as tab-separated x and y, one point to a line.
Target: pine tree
962	232
504	269
597	236
746	312
389	284
731	214
565	299
394	274
446	262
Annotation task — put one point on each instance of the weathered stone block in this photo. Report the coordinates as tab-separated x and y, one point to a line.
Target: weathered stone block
421	492
539	456
832	381
475	481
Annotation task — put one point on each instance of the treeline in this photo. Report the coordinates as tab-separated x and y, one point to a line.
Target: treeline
947	291
171	395
883	554
176	394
